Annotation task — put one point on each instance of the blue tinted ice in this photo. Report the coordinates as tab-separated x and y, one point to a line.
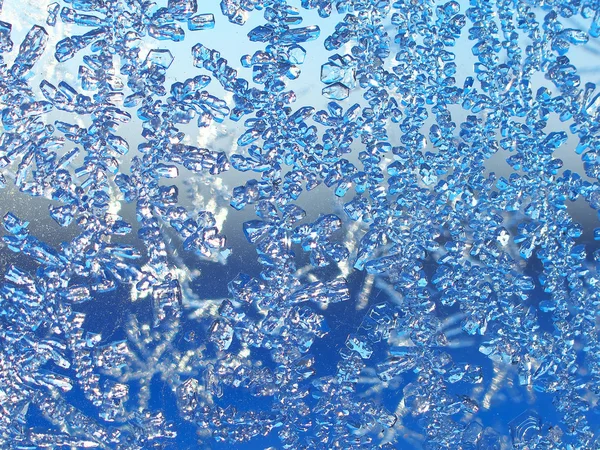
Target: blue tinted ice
310	225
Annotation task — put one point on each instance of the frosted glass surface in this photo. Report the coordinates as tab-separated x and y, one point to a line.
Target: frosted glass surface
315	224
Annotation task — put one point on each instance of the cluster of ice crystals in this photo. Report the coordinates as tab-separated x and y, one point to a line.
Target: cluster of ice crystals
435	288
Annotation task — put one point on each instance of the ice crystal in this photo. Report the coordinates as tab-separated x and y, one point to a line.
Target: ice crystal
426	240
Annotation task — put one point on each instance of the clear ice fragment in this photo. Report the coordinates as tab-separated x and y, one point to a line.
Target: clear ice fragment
336	91
201	22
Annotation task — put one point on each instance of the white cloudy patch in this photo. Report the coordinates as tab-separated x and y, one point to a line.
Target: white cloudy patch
207	136
114	204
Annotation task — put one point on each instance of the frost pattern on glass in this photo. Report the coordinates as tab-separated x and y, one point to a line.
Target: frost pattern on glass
395	318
